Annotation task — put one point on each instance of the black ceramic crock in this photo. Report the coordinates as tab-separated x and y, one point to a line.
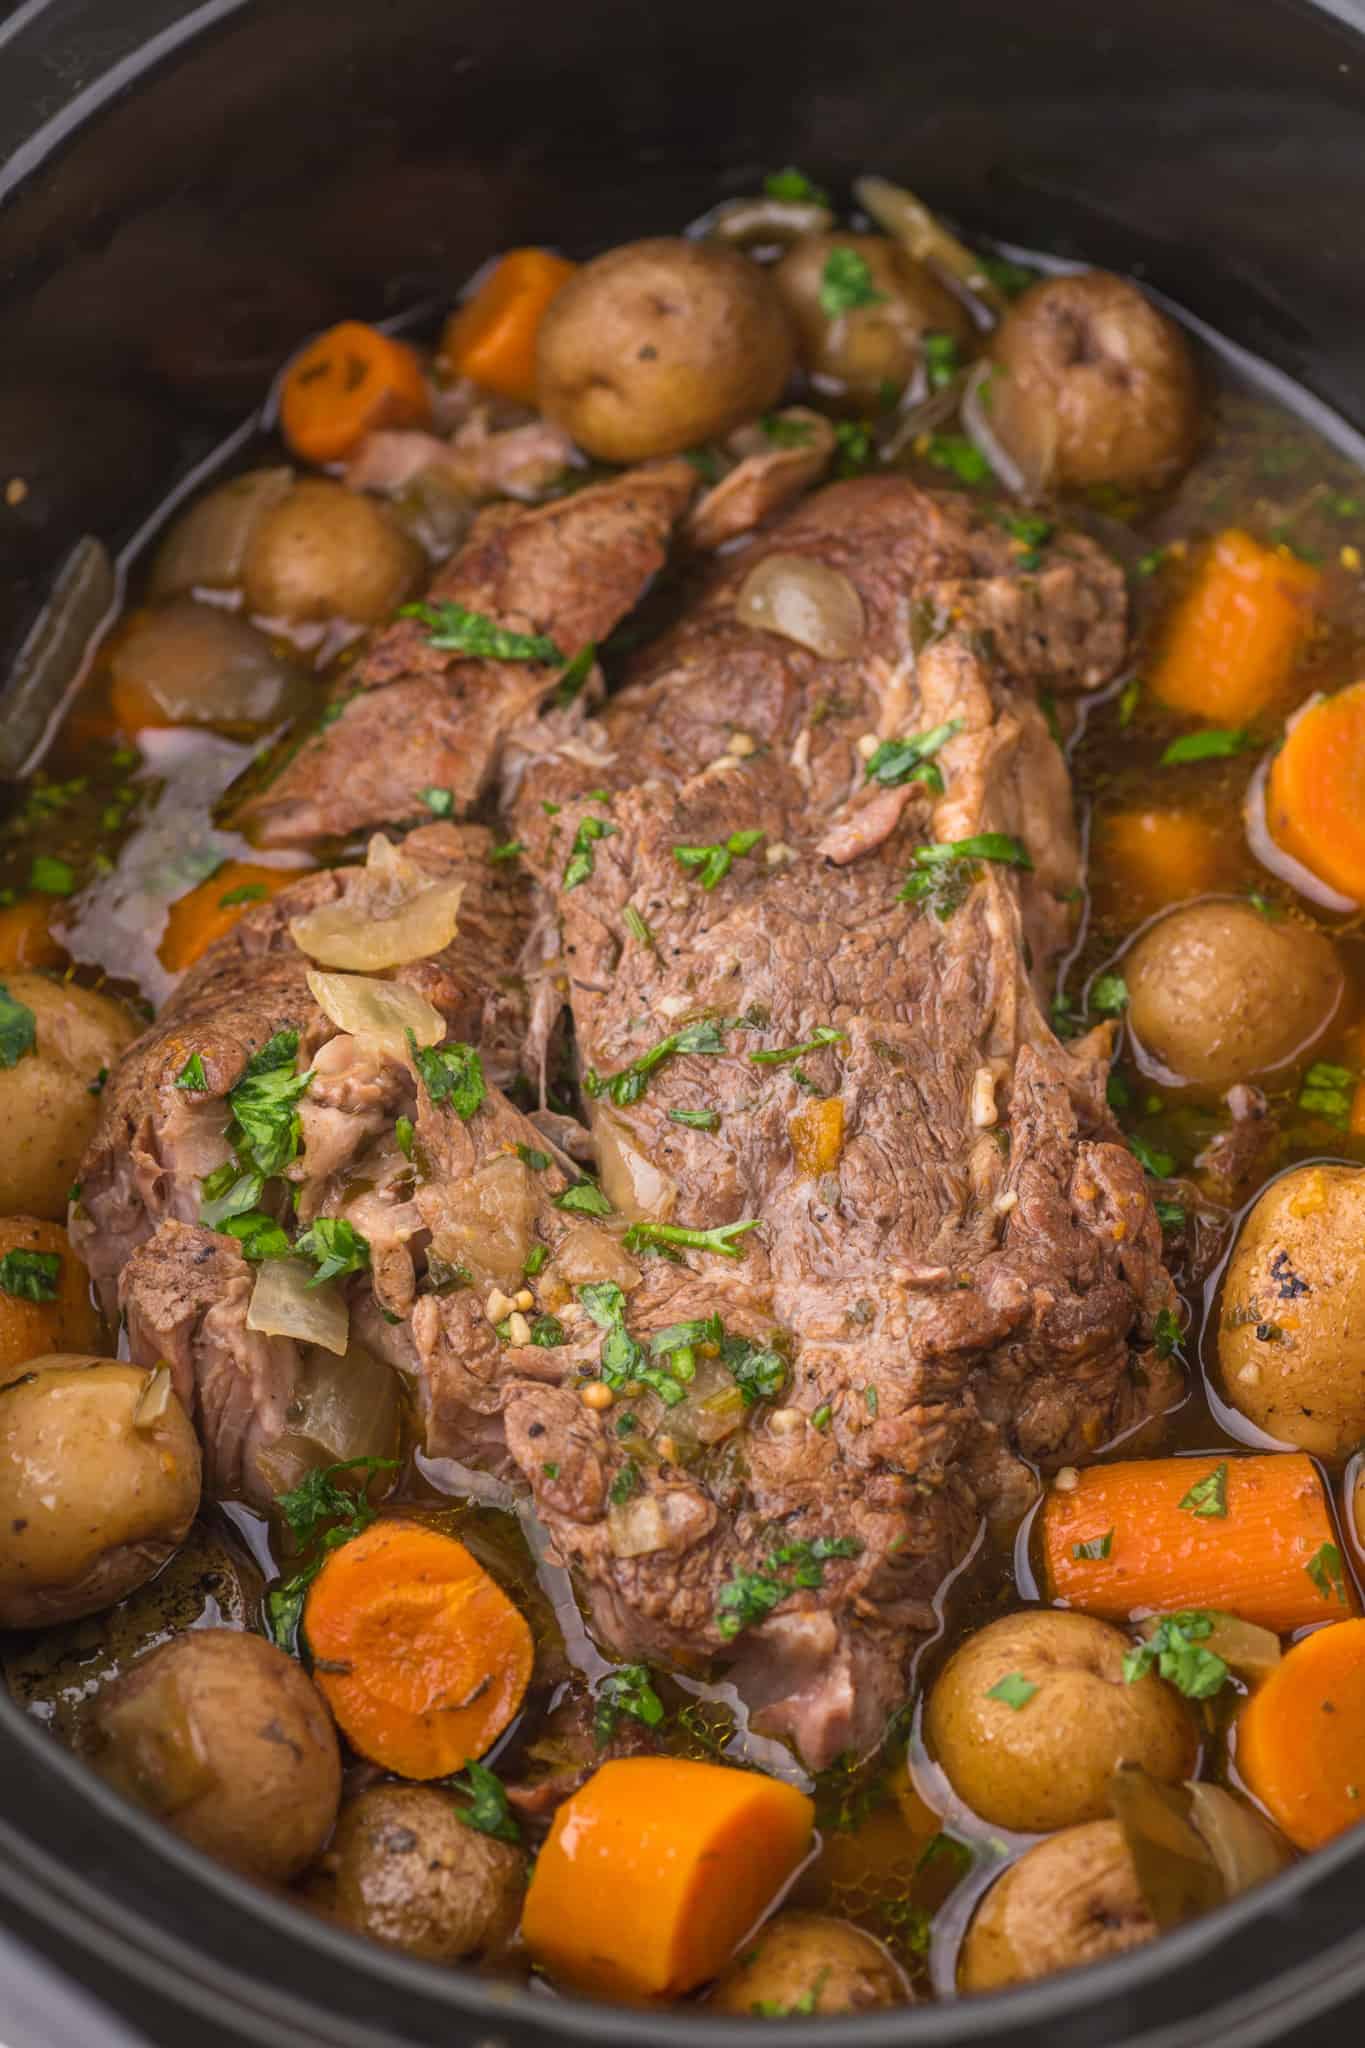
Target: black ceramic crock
185	192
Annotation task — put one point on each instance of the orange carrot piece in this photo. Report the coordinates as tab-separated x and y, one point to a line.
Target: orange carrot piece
202	917
25	937
492	337
1262	1560
1315	798
1301	1737
422	1656
817	1135
655	1869
68	1322
1149	859
349	381
1234	637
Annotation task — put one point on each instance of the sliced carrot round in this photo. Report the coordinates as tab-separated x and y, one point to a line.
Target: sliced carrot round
1235	635
1301	1737
492	337
212	908
348	382
1152	858
1315	800
423	1658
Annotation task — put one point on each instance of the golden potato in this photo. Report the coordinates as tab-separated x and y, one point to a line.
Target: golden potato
227	1740
1218	993
44	1307
802	1963
659	345
1291	1324
1046	1763
49	1092
858	352
206	546
323	552
407	1871
99	1483
1073	1899
1113	378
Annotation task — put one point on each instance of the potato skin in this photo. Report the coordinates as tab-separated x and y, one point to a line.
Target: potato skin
660	345
199	665
1072	1899
47	1109
90	1505
1291	1323
1219	994
859	352
325	552
1047	1764
30	1329
802	1963
1116	376
227	1740
407	1871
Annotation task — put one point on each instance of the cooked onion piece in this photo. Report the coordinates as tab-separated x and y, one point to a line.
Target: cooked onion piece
926	239
805	601
343	1407
284	1304
394	914
384	1011
1246	1848
631	1182
1019	442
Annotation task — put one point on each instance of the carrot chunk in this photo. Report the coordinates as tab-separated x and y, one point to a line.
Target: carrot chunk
423	1658
25	937
1150	859
492	337
817	1136
1234	637
655	1869
212	908
1301	1737
349	381
1315	799
1147	1535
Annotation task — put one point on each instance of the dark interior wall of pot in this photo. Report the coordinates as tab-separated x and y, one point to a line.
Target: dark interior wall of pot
306	158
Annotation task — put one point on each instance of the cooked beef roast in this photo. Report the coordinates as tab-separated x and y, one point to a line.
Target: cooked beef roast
887	1253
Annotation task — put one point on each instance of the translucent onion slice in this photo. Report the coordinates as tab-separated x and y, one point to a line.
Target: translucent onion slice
1019	445
631	1182
1245	1847
1177	1873
384	1011
922	235
284	1305
805	601
342	1408
391	915
638	1527
1272	855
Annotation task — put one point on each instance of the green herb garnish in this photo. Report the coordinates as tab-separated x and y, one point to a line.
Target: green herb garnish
1094	1548
846	284
648	1237
440	802
1014	1689
1213	744
452	629
782	1056
18	1029
580	863
192	1077
451	1073
336	1248
713	863
1174	1648
1327	1572
625	1691
488	1810
30	1276
1208	1497
630	1084
899	761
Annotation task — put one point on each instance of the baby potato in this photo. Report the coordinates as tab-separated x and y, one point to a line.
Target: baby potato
858	353
407	1871
1291	1326
659	345
49	1100
1112	377
227	1740
1218	993
99	1483
1073	1899
1046	1762
323	552
184	663
44	1306
802	1963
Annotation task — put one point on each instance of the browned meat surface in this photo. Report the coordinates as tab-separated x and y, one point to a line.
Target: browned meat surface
570	570
768	477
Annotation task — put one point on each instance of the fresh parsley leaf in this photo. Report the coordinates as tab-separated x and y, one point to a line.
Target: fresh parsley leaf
575	675
782	1056
336	1247
856	449
1213	744
454	630
1328	1092
1014	1689
959	457
1208	1497
488	1810
265	1129
440	802
451	1073
649	1237
536	1259
636	926
899	761
245	892
1326	1571
584	1198
580	863
1170	1215
941	873
259	1235
1109	995
941	359
18	1029
794	185
1094	1548
625	1691
539	1162
623	1361
547	1332
629	1085
1167	1333
403	1134
53	877
696	1119
713	863
506	850
30	1276
846	283
1161	1165
625	1485
786	433
750	1597
318	1500
758	1370
230	1190
1174	1648
192	1076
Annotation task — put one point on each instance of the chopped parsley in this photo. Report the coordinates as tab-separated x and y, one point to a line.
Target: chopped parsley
259	1235
1014	1689
192	1076
636	926
488	1810
750	1597
440	802
264	1133
31	1276
856	453
782	1056
623	1362
1326	1571
1214	743
1161	1165
1170	1215
539	1162
958	456
1174	1648
452	629
1109	995
1208	1497
451	1073
941	359
625	1485
696	1119
315	1502
941	874
575	675
1328	1092
53	877
786	433
536	1259
245	892
900	761
336	1248
403	1134
822	1416
794	185
846	283
712	864
547	1332
1166	1333
18	1029
1094	1548
625	1691
666	1237
584	1198
630	1084
580	863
